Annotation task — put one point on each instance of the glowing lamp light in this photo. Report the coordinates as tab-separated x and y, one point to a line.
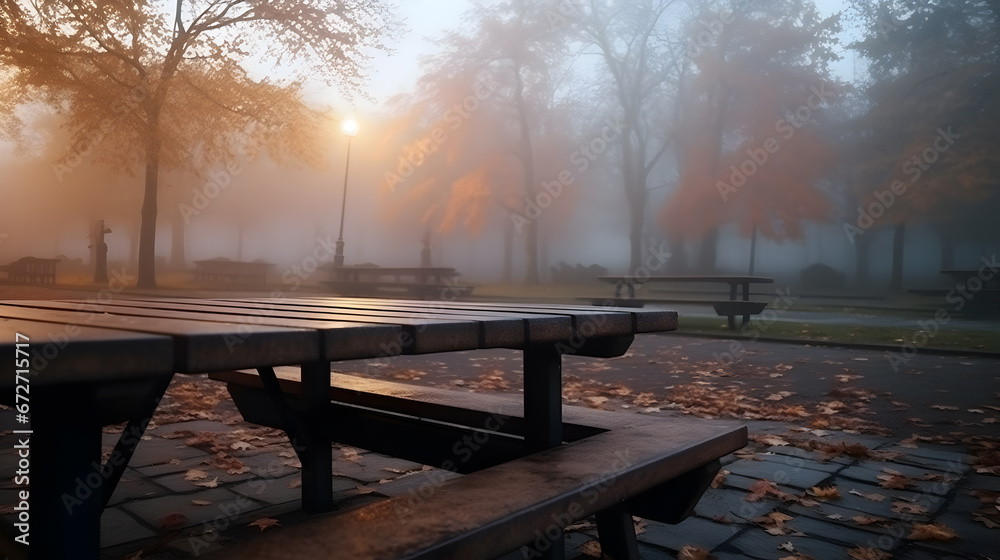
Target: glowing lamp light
350	127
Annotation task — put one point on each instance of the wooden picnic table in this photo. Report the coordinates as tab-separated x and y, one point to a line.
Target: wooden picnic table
31	270
740	305
239	274
96	364
421	281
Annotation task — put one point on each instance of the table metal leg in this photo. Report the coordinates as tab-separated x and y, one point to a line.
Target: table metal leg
542	397
617	535
316	458
543	411
67	491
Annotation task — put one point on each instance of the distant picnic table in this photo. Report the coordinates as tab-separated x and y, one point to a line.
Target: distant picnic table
984	292
420	281
31	270
730	308
224	272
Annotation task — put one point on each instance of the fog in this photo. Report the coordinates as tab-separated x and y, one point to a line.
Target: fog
539	133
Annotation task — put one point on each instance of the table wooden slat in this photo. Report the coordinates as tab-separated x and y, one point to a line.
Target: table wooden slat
62	355
199	346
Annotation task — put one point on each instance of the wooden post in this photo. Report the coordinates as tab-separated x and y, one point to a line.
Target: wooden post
100	252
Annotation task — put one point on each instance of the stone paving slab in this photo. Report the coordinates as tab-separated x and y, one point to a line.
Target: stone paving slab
223	502
798	477
865	473
158	451
691	531
118	527
134	486
806	454
284	490
758	544
177	482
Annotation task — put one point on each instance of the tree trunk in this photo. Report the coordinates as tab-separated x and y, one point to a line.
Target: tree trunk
898	243
947	250
862	243
678	256
753	249
528	174
147	229
508	254
178	257
707	252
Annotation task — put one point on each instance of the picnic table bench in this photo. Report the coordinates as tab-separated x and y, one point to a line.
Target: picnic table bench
31	270
730	308
235	274
117	358
434	282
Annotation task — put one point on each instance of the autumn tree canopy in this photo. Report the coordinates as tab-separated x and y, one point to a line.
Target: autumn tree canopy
146	85
752	150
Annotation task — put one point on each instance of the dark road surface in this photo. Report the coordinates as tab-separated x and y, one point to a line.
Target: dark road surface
928	394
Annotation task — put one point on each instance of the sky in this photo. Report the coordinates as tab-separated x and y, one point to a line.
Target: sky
398	72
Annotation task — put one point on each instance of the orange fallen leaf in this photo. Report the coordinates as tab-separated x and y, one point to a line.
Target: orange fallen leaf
201	503
719	479
265	523
208	483
894	481
827	493
861	553
865	520
932	532
872	496
689	552
903	507
195	474
173	521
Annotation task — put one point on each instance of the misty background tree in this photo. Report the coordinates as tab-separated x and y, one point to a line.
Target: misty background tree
752	149
159	88
930	124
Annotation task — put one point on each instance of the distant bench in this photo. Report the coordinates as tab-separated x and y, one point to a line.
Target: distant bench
616	465
730	308
31	270
222	272
419	281
985	302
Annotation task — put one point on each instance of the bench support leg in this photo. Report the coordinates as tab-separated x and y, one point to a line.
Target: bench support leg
617	534
542	397
317	456
115	466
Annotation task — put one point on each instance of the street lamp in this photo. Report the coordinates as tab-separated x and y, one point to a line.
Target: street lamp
350	129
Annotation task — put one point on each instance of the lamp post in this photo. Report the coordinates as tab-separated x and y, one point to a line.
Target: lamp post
350	129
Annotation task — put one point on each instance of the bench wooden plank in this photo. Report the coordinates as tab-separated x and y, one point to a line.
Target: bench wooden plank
199	346
552	487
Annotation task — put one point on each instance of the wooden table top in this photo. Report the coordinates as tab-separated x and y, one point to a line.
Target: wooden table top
141	336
